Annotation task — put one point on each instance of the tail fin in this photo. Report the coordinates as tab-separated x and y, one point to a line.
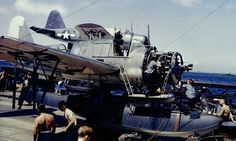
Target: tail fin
55	20
19	29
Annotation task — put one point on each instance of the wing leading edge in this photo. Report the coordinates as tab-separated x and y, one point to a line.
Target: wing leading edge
67	63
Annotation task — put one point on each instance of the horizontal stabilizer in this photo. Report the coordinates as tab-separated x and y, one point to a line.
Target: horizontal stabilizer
43	31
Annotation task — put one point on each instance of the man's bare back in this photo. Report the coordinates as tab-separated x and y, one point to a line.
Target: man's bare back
43	124
225	110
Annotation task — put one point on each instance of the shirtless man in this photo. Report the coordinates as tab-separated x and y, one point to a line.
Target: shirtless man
225	111
44	127
70	129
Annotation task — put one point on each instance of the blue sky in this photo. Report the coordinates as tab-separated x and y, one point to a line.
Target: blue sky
210	45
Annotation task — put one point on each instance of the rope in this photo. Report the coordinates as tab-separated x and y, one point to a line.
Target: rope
158	130
194	25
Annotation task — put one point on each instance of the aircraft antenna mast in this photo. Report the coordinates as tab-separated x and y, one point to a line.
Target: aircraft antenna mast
149	42
131	28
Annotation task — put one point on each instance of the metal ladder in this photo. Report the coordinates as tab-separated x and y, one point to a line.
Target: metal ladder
168	74
165	82
124	77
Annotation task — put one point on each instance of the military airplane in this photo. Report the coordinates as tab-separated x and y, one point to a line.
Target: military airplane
126	52
117	62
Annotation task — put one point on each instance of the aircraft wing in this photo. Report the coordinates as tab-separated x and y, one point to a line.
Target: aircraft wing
206	87
215	85
66	63
92	31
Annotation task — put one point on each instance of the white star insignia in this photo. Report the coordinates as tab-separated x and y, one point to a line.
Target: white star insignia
65	35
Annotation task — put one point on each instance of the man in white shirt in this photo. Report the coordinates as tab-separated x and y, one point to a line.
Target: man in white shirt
190	93
70	129
151	67
151	76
